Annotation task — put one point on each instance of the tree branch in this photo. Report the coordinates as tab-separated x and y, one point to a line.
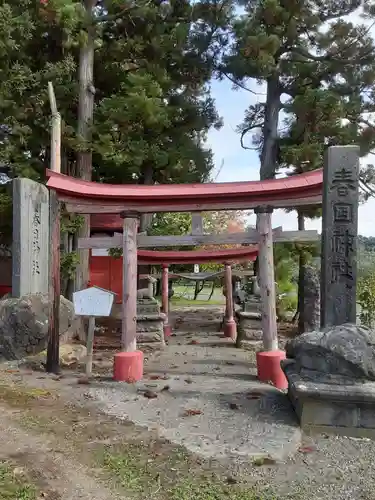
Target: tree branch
245	131
243	87
114	17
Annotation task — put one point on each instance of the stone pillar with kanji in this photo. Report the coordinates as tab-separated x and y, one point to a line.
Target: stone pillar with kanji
339	236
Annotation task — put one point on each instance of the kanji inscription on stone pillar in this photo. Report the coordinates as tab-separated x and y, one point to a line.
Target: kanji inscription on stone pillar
339	236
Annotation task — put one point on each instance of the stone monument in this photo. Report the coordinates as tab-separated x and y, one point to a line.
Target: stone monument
339	236
331	372
30	252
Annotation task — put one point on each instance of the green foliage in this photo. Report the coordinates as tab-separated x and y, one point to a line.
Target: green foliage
153	109
68	264
71	223
366	300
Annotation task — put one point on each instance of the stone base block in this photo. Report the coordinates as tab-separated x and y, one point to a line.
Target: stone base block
128	367
346	408
269	368
230	329
248	326
167	330
150	328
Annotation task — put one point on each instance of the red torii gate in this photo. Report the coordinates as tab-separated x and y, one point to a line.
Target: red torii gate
132	200
101	267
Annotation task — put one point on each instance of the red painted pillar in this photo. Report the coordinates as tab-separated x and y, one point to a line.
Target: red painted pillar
165	300
230	328
128	364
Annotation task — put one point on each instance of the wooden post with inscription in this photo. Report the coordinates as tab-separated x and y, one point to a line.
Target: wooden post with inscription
128	364
339	236
230	327
165	299
52	364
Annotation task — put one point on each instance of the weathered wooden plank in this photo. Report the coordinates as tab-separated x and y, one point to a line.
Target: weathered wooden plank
53	348
90	207
195	240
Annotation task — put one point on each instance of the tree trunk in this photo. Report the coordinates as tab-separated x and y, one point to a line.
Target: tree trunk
269	161
85	118
269	155
301	277
84	156
147	180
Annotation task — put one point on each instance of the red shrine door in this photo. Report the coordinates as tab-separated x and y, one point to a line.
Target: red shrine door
106	272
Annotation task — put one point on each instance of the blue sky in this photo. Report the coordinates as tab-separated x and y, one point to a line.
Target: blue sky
242	165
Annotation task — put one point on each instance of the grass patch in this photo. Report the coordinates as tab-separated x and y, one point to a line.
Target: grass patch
14	485
182	301
128	458
177	481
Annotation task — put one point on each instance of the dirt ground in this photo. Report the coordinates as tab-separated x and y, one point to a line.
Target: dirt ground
61	441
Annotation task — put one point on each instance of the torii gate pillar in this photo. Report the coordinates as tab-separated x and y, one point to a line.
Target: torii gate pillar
128	364
268	360
165	299
230	327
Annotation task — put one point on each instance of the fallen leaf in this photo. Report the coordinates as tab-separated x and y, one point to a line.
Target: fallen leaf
188	380
150	394
254	395
83	380
234	406
154	377
193	342
191	413
307	449
231	480
166	388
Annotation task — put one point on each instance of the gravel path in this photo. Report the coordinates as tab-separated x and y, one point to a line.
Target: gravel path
241	419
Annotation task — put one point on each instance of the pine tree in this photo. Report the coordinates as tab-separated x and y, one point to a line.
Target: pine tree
320	78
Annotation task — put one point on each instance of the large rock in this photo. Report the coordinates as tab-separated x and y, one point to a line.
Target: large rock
347	351
24	325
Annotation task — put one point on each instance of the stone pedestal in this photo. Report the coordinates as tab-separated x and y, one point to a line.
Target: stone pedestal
331	378
150	322
249	326
338	405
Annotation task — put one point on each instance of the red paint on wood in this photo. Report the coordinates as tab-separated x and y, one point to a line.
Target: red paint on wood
128	366
4	289
189	196
269	368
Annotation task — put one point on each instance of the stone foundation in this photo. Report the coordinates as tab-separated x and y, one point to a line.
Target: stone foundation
338	405
248	326
150	322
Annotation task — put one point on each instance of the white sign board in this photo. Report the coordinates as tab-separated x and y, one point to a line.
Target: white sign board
93	301
99	252
196	268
